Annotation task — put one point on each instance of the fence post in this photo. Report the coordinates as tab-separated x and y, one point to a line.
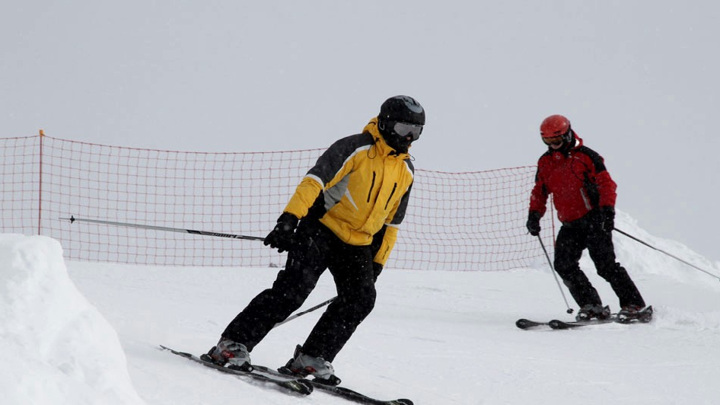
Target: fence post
40	183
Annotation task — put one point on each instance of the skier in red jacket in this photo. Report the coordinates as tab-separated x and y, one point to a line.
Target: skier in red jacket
584	197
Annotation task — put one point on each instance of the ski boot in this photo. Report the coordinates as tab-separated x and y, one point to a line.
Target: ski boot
303	365
633	313
589	312
227	352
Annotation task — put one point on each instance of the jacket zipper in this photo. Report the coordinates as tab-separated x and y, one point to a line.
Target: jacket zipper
371	187
391	194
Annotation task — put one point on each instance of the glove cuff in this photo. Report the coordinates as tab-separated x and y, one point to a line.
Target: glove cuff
288	219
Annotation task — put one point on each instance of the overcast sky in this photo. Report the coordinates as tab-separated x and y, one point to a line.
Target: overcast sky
638	80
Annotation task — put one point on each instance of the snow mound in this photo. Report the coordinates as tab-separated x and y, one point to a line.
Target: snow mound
55	347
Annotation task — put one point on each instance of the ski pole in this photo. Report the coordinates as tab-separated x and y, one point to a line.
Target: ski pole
662	251
163	228
299	314
552	270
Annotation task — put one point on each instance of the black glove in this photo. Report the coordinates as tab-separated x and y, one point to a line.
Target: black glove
533	223
281	237
377	269
607	214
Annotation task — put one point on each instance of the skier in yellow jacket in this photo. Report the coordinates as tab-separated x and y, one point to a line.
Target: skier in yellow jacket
344	216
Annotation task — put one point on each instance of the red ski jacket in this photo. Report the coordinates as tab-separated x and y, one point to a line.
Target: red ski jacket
577	179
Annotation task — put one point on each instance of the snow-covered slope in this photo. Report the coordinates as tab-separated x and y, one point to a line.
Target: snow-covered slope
434	337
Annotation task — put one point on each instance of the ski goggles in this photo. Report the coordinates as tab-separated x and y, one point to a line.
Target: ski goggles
555	140
404	129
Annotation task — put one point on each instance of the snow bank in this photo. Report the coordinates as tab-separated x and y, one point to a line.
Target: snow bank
55	348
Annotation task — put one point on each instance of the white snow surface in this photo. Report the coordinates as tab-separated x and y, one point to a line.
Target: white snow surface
55	347
89	333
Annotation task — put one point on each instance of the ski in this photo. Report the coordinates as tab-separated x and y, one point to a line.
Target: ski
285	384
528	324
338	391
356	396
642	316
558	324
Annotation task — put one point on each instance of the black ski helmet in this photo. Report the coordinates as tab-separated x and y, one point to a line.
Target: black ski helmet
402	109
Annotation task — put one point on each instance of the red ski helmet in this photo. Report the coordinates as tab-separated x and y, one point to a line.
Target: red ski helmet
557	127
554	125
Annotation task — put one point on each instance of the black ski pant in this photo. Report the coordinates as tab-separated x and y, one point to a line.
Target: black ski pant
317	248
584	233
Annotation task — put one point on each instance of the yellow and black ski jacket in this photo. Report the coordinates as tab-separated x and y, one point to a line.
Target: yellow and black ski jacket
365	185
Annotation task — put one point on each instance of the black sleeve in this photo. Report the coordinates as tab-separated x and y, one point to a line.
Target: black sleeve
333	159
